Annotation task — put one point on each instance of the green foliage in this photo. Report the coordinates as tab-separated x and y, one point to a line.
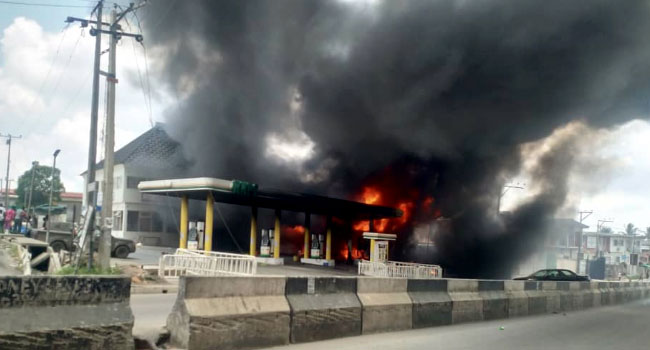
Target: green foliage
630	229
606	229
69	270
41	187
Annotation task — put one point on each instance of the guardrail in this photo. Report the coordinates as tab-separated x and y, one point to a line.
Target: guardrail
205	263
397	269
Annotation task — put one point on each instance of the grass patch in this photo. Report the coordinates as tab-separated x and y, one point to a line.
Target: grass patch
69	270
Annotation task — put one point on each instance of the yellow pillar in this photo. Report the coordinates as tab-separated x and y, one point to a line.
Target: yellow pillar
372	250
184	218
276	236
253	247
209	220
328	240
306	247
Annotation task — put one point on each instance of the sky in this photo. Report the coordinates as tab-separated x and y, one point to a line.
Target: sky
45	96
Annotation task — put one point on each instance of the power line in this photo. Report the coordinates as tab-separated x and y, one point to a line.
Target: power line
147	101
43	4
146	69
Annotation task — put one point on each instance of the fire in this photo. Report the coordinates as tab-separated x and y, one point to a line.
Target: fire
356	253
293	230
370	195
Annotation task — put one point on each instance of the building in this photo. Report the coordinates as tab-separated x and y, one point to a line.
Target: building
560	250
141	217
72	201
13	197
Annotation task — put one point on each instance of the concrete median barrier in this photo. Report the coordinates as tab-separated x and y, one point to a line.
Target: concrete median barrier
517	298
588	293
228	312
431	302
495	301
386	304
466	303
553	300
537	300
65	312
323	308
607	296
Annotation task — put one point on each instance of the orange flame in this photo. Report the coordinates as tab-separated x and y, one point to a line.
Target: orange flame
370	195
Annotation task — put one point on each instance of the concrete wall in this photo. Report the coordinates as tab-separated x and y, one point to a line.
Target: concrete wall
206	316
65	312
386	304
323	308
230	313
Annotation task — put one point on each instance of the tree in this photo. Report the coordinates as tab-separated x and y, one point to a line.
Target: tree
630	230
647	232
606	229
41	187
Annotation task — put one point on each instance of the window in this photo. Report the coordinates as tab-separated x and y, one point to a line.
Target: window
567	273
540	273
157	223
117	221
145	221
132	218
132	181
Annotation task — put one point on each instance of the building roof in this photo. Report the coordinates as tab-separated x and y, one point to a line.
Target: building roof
616	235
71	195
154	148
565	224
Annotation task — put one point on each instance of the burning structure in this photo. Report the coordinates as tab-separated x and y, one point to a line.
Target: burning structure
423	105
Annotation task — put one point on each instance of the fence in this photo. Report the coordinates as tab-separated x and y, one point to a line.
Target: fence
399	269
198	262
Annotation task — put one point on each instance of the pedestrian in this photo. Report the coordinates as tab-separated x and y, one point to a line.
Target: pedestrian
9	218
45	219
2	218
18	220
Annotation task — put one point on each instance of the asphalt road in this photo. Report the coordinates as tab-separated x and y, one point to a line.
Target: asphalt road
617	327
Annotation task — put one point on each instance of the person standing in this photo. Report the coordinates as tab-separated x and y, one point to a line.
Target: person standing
18	220
9	218
2	218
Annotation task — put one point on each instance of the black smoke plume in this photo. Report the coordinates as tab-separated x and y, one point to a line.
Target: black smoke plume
446	91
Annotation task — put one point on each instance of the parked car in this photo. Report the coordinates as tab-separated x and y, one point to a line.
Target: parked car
554	275
63	233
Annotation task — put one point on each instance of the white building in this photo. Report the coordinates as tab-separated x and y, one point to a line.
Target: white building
143	218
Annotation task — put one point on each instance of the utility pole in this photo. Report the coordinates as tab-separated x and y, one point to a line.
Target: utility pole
31	187
9	137
109	141
503	192
583	215
599	226
109	144
49	203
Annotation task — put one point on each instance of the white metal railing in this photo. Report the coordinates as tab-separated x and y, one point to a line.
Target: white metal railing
198	262
394	269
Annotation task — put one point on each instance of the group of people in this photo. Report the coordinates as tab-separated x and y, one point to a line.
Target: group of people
12	220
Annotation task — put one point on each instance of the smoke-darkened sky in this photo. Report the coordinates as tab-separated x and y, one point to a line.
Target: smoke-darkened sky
321	95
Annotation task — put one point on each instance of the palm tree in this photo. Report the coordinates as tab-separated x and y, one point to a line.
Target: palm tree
647	233
630	230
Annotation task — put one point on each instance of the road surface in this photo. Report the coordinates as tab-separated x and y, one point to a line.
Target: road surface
616	327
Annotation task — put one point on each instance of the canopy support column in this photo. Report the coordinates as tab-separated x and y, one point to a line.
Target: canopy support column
328	239
184	217
306	247
276	235
209	221
253	246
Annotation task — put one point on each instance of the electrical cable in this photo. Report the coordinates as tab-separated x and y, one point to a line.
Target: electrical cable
43	4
